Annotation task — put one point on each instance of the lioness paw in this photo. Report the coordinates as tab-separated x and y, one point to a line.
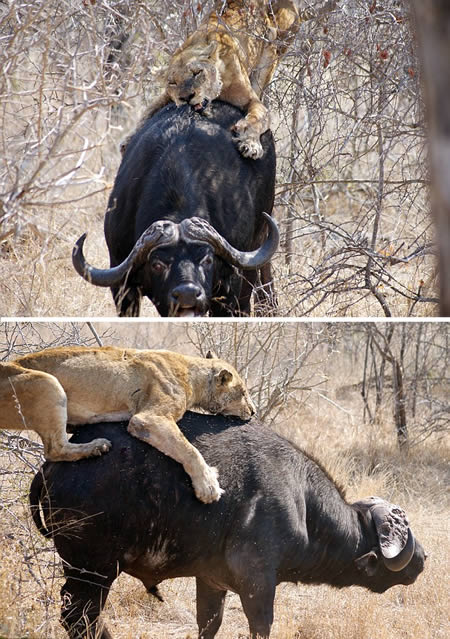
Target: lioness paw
206	487
247	140
250	149
100	446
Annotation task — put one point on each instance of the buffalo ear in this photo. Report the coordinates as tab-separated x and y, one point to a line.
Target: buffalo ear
223	378
367	563
211	355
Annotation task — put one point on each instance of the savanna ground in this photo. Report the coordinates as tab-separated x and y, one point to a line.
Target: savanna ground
329	388
352	199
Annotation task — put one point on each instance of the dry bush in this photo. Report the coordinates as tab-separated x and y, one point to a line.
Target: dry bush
319	371
352	185
353	181
64	102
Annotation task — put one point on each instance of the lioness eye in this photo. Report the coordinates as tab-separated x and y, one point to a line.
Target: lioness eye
197	72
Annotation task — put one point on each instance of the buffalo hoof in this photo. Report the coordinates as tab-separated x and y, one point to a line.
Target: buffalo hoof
206	487
154	592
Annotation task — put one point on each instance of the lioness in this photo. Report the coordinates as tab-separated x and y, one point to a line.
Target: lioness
46	390
240	39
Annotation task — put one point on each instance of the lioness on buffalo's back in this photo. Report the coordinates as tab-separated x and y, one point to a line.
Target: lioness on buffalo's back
231	56
186	219
44	391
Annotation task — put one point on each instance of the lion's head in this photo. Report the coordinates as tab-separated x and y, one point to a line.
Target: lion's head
228	392
193	77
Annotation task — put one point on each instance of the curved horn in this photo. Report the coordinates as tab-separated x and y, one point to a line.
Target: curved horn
161	233
402	560
396	541
199	230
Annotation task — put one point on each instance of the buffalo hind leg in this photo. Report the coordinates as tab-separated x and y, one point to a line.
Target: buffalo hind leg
83	599
210	607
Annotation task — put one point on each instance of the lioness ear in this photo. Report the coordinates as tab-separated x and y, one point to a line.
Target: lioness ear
210	49
211	355
223	378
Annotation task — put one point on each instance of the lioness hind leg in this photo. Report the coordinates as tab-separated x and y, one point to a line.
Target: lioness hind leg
37	401
58	448
164	434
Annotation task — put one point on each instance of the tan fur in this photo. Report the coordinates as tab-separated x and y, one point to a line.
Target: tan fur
232	56
46	390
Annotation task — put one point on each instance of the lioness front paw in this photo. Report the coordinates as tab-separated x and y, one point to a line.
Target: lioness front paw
100	446
206	487
250	148
247	140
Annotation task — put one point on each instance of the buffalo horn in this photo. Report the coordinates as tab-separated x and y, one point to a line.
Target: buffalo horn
161	233
395	538
199	230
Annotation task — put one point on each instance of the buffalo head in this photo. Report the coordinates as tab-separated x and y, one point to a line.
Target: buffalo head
396	558
176	265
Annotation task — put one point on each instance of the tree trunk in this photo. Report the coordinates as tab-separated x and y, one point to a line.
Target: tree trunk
433	30
399	406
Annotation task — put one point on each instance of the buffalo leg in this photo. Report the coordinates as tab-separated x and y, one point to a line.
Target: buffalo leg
83	599
210	607
258	608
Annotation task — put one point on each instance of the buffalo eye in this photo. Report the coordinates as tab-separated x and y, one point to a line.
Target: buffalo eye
158	267
207	260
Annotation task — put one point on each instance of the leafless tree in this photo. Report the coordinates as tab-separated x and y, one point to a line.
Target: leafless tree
407	365
353	173
281	362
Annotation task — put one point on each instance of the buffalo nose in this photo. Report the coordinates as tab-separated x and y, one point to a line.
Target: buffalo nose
186	294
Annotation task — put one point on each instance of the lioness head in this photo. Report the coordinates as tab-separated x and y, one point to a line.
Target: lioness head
193	77
229	394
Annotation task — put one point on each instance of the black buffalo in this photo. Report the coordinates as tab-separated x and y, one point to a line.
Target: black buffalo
187	218
281	518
